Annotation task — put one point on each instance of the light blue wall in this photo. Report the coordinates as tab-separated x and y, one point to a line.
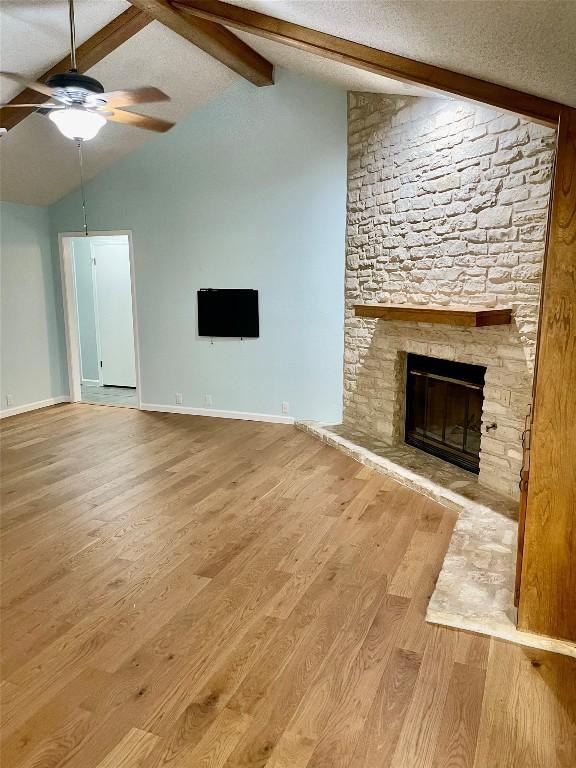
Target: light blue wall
249	191
33	353
85	305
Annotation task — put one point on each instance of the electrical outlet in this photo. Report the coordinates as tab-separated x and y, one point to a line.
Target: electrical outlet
9	399
178	398
208	400
285	407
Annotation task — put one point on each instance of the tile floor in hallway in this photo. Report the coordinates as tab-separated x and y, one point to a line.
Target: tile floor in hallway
109	395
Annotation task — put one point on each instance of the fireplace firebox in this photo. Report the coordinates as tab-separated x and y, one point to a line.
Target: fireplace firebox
444	409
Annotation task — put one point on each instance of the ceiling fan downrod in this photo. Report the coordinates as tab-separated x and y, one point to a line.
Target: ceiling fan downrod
73	66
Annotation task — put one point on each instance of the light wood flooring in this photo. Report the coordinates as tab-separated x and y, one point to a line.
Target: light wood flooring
195	593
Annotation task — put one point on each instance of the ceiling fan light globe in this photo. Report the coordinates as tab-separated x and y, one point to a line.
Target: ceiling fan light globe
77	123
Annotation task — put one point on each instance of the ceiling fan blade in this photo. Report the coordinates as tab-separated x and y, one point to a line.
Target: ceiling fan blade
24	81
139	121
145	95
40	105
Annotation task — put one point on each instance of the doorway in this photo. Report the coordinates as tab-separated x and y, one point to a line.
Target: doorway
100	316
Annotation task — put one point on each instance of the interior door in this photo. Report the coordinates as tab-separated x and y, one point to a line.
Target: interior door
114	307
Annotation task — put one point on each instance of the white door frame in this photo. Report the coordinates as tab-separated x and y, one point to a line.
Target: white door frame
70	313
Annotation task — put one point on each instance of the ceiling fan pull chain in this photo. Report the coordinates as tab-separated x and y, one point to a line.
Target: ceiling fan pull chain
79	142
72	36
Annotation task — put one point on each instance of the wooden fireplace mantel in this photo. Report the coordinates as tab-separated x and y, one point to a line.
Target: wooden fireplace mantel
472	317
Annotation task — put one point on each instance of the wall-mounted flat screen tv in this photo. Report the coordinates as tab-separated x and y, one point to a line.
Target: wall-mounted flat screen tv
228	312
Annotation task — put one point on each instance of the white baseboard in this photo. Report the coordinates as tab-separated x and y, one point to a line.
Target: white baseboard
91	382
33	406
243	415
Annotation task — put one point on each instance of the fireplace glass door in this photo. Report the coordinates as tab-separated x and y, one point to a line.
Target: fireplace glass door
444	409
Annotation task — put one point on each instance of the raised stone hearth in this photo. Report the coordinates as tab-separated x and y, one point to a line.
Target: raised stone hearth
447	206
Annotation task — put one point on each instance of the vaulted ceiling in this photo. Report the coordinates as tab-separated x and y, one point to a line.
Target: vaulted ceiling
522	44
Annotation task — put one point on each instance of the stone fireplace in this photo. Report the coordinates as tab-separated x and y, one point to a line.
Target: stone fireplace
447	213
447	205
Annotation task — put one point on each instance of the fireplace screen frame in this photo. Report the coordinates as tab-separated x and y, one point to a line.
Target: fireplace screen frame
433	379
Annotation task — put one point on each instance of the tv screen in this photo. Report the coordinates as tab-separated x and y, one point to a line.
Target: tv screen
231	312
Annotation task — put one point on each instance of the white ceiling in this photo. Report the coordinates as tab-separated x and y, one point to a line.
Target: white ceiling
39	166
34	33
339	75
521	43
525	44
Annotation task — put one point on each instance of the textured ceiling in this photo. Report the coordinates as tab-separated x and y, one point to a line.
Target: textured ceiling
339	75
521	43
525	44
39	166
34	33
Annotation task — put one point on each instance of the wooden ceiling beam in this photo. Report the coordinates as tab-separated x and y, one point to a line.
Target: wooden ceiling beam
214	39
100	45
373	60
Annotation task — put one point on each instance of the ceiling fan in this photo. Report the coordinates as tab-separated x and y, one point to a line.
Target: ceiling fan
78	104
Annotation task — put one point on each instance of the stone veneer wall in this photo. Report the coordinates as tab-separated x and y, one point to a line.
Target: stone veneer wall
447	205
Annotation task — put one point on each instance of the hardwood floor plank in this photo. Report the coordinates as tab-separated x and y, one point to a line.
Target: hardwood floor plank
417	743
377	742
529	709
130	752
54	749
461	718
352	699
184	725
38	732
217	743
334	683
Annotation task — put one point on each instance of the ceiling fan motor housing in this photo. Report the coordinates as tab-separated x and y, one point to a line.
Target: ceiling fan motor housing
73	86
